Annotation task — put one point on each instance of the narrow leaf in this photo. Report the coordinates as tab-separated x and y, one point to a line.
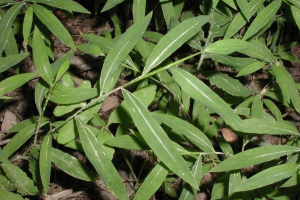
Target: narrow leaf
27	24
7	22
12	83
45	161
268	177
152	182
53	24
121	49
73	95
64	4
157	139
178	36
23	124
262	18
274	109
202	93
127	142
254	156
10	61
101	162
251	68
168	11
40	56
227	46
138	10
244	7
72	166
90	49
6	195
41	89
110	4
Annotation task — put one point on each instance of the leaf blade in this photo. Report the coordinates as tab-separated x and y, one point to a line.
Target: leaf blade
226	46
45	161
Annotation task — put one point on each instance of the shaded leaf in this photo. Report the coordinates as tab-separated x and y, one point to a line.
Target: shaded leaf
254	156
90	49
27	24
33	159
23	124
127	142
73	95
138	10
152	182
251	68
274	109
10	61
64	4
45	161
41	89
53	24
257	110
168	11
19	179
157	139
227	46
268	177
72	166
178	36
101	162
244	7
6	195
110	4
7	22
12	83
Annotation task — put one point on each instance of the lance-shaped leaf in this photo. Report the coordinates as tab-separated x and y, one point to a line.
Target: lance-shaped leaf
152	182
14	82
6	195
19	179
227	46
7	22
53	24
251	68
122	48
157	139
10	61
173	40
254	156
262	18
73	95
268	177
40	56
187	129
202	93
138	10
110	4
45	161
64	4
72	166
244	7
97	156
27	24
40	92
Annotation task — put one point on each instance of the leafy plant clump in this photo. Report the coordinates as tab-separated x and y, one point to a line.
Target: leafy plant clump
190	103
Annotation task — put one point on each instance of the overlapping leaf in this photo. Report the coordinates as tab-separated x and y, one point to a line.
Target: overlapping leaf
45	161
138	10
227	46
64	4
110	4
157	139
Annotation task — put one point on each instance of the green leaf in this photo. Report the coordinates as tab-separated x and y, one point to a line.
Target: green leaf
227	46
257	110
287	85
157	139
6	24
10	61
72	166
41	90
97	156
5	195
178	36
295	2
254	156
168	11
64	4
152	182
244	7
90	49
53	24
3	157
33	159
220	187
45	161
296	15
27	24
127	142
23	124
14	82
268	177
73	95
262	18
110	4
274	109
138	10
40	56
188	130
19	179
121	49
202	93
251	68
230	85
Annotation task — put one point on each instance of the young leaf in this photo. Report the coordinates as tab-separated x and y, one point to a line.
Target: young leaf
19	179
10	61
73	95
45	161
178	36
72	166
6	195
202	93
53	24
27	24
227	46
64	4
138	10
40	56
262	18
254	156
11	83
268	177
110	4
101	162
152	182
6	24
251	68
187	129
121	49
157	139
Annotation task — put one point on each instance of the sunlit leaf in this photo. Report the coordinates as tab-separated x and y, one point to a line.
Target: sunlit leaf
254	156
